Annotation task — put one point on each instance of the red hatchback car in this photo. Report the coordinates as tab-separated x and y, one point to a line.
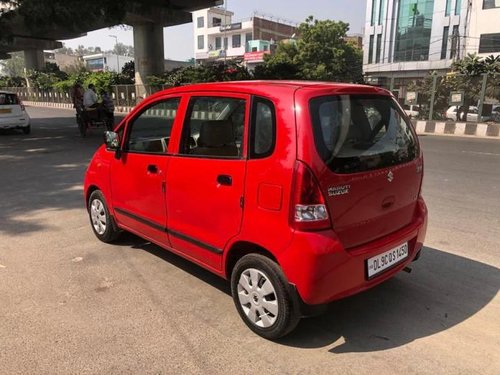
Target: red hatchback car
299	193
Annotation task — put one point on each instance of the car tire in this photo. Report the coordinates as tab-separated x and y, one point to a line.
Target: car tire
263	298
102	223
27	129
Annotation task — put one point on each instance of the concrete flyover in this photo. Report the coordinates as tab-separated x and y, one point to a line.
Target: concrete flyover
148	34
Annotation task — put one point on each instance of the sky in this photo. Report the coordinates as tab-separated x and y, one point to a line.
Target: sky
179	39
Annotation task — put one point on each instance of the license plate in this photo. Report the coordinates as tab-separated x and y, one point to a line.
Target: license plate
381	262
5	110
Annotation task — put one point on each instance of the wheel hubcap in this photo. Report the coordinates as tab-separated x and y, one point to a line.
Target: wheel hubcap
98	216
258	298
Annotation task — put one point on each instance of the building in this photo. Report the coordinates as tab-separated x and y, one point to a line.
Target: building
218	37
406	39
106	61
103	62
356	40
64	61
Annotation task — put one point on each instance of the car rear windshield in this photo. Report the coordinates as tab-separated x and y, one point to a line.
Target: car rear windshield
8	99
356	133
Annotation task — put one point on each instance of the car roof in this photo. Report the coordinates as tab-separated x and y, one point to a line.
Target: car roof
261	87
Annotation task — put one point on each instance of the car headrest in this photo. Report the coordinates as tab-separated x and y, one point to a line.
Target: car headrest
216	133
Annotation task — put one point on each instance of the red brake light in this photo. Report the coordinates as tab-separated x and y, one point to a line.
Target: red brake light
308	208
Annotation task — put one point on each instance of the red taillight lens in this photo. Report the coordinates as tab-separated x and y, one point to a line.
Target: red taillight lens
308	208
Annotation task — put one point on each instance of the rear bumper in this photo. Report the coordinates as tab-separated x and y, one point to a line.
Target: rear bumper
15	123
322	271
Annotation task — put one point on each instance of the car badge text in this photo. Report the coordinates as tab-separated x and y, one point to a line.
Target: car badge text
338	190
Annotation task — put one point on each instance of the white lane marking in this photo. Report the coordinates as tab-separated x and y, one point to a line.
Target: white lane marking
480	153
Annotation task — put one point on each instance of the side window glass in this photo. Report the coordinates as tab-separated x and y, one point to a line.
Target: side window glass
263	128
150	131
214	127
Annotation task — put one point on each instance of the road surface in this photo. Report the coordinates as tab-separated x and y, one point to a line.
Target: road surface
70	304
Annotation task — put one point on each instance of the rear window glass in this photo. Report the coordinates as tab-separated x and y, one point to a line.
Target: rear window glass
356	133
8	99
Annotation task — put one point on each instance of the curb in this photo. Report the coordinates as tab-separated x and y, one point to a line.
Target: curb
459	129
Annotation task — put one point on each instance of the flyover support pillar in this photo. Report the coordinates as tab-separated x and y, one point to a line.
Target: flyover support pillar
149	54
34	59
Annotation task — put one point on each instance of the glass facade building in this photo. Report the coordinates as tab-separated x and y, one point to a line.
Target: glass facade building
413	34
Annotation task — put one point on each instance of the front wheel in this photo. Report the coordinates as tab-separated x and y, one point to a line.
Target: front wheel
262	297
101	221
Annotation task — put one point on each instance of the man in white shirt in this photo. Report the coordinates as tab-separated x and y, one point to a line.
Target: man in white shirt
90	97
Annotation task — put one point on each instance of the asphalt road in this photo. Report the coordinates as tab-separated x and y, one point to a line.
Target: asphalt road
70	304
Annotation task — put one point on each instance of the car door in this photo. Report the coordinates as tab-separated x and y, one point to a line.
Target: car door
138	175
205	180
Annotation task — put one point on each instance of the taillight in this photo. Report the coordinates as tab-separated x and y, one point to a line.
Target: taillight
23	108
308	207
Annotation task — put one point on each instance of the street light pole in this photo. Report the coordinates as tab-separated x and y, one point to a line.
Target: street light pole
116	51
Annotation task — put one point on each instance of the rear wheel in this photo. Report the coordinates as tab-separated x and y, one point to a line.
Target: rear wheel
27	129
101	221
262	297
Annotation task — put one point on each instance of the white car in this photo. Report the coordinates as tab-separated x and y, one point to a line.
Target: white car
411	110
472	115
13	115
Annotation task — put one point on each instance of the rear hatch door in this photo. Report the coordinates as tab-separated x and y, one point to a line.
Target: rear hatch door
369	167
9	106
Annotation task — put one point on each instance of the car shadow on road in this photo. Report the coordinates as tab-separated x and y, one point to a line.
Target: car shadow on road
442	291
135	242
42	171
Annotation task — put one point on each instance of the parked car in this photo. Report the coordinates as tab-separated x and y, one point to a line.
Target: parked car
495	113
298	193
455	113
13	115
411	110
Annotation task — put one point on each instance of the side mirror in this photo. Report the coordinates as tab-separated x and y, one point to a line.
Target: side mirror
111	140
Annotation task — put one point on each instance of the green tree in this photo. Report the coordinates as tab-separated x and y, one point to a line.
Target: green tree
217	71
14	67
466	75
128	70
321	53
281	65
123	50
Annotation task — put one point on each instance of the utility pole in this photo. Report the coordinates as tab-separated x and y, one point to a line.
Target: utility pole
224	38
116	51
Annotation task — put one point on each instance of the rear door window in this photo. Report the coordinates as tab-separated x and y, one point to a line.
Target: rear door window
8	99
356	133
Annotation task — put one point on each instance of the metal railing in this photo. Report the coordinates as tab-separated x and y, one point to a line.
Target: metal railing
448	97
122	95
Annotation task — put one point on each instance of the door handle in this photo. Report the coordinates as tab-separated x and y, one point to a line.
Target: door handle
152	169
224	179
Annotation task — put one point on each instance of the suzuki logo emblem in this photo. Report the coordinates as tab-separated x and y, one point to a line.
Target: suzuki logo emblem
390	176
